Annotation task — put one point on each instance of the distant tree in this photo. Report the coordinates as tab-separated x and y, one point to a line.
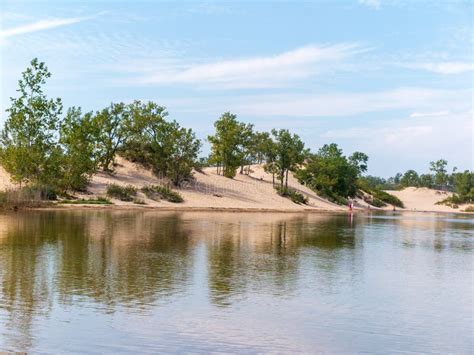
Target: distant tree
464	186
289	154
263	144
359	160
29	150
410	178
440	173
426	180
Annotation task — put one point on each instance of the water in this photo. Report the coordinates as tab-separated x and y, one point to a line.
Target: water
143	281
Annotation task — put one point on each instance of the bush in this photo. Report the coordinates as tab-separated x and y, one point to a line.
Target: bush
157	192
374	201
292	194
139	201
122	193
469	208
380	195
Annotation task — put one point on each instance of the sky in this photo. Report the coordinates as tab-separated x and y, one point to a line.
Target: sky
390	78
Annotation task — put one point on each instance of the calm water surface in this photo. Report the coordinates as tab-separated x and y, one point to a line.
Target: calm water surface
141	281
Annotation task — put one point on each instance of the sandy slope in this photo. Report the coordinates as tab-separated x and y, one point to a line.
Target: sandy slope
254	191
424	199
5	182
209	190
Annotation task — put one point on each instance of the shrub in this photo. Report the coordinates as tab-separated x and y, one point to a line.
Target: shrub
374	201
469	208
292	194
122	193
157	192
382	196
139	201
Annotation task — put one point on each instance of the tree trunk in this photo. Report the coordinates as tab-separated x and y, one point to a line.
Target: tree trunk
286	185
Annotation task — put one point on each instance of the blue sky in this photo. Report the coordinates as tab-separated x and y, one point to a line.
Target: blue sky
390	78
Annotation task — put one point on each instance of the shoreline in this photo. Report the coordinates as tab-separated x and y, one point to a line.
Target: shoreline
309	210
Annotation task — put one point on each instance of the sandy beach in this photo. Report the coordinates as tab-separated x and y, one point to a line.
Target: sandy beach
209	191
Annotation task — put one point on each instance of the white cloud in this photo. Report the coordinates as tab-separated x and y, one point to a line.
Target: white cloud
41	26
257	72
370	3
349	104
410	142
444	67
429	114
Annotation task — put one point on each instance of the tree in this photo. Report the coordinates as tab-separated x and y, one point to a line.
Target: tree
464	185
330	173
163	146
426	180
440	173
230	144
184	151
116	127
289	153
410	178
78	140
359	161
29	150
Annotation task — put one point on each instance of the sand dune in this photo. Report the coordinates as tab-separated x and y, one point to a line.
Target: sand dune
245	192
424	199
209	190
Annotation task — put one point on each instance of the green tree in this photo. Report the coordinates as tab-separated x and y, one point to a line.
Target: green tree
464	185
330	173
78	139
359	160
289	154
116	128
410	178
230	144
440	173
29	149
426	180
163	146
183	154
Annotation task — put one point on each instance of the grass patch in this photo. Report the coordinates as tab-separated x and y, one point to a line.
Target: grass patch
122	193
139	201
27	197
469	208
382	196
97	201
292	194
159	192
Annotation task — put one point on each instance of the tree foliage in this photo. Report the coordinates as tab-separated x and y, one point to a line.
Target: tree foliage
29	150
331	173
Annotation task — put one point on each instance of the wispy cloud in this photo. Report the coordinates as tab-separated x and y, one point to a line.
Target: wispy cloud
41	26
444	67
375	4
429	114
256	72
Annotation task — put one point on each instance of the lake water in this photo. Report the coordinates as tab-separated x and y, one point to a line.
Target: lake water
143	281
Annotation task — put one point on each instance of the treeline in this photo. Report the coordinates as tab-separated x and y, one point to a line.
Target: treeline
39	145
438	177
236	145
